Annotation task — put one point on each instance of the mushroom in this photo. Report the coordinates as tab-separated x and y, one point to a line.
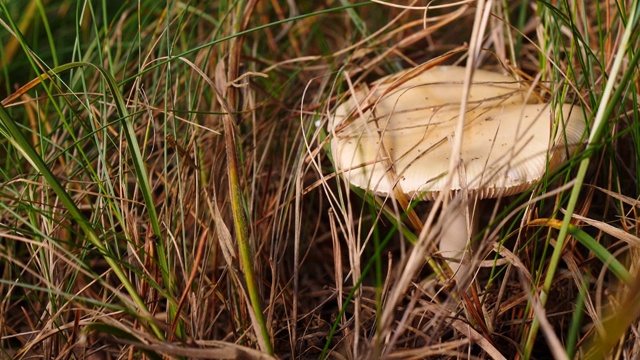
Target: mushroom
398	136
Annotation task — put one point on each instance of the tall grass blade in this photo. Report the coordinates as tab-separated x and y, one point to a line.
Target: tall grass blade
608	102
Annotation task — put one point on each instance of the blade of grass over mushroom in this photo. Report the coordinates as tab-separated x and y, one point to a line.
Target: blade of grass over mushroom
608	102
17	139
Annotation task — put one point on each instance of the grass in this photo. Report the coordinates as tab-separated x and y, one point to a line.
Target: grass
167	188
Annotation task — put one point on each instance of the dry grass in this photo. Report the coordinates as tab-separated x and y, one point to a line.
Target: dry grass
245	223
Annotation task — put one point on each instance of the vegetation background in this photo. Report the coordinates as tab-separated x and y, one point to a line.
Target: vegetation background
166	188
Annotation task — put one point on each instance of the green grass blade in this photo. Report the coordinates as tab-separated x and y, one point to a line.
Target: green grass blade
601	253
576	321
608	101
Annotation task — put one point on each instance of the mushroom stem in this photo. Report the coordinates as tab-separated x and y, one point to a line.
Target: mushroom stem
455	238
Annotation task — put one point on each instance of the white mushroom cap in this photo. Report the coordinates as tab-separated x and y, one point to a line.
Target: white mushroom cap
439	86
505	149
